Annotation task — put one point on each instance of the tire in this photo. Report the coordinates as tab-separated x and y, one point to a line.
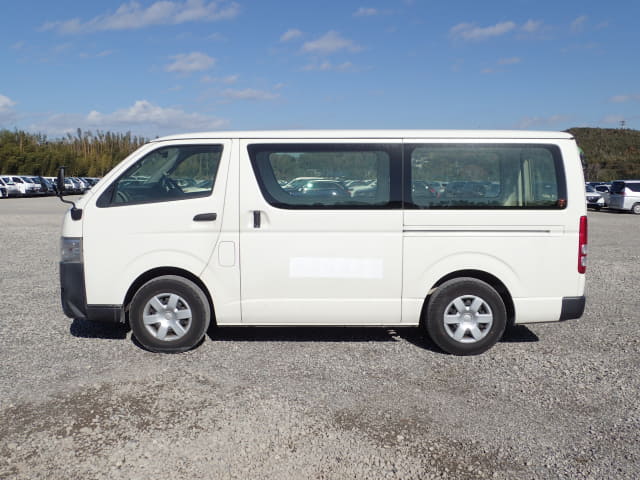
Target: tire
465	316
636	208
169	314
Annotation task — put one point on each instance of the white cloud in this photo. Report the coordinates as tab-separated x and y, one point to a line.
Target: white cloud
190	62
6	103
509	61
228	80
578	24
132	15
625	98
7	114
550	121
249	94
290	34
330	42
470	31
142	118
365	12
327	66
531	26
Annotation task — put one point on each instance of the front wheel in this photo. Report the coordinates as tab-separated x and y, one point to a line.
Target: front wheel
636	208
465	316
169	314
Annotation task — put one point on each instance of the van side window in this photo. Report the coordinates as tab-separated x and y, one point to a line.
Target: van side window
321	176
486	176
166	174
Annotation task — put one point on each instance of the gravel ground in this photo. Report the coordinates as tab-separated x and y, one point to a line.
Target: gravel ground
81	400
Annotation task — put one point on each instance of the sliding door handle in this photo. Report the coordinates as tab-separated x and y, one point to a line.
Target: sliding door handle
205	217
256	219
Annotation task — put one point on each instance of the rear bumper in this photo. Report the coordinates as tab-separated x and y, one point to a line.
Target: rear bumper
74	297
572	307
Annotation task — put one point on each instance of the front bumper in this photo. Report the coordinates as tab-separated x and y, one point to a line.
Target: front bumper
74	297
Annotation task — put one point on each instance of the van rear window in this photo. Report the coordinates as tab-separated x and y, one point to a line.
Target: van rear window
486	176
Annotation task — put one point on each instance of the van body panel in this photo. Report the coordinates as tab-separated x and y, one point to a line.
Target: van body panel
124	242
222	273
317	267
532	252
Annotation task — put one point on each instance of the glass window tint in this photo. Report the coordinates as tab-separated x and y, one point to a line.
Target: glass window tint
167	174
617	187
486	176
323	176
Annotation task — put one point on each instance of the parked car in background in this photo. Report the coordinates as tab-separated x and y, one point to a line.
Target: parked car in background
10	187
32	184
26	187
46	187
594	199
323	189
605	191
625	195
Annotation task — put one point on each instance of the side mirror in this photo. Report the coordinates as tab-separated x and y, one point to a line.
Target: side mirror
76	213
60	181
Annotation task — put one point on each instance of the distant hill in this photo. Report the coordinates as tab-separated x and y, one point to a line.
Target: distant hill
609	153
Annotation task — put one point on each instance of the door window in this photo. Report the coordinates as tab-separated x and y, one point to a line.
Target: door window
167	174
321	176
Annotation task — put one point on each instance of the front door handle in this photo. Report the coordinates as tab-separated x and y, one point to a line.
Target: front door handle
256	219
205	217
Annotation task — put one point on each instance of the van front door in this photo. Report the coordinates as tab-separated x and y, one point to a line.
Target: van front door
320	232
162	212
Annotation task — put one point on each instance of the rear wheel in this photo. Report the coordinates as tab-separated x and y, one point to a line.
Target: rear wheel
169	314
465	316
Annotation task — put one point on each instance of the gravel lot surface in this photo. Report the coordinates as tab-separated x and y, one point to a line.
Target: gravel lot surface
81	400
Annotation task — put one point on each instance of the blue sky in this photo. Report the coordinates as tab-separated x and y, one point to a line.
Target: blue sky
160	67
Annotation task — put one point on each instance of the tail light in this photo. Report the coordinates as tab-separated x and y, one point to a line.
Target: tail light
582	245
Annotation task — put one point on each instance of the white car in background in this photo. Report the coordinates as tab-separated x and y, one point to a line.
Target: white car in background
10	187
25	188
32	184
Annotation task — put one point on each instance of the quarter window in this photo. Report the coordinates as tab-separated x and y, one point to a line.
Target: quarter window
167	174
486	176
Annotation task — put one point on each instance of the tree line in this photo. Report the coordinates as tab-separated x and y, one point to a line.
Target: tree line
85	153
609	153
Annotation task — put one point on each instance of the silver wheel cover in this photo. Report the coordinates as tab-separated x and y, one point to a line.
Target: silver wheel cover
167	317
468	319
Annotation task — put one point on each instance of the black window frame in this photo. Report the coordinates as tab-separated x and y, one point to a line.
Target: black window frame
394	150
106	197
561	203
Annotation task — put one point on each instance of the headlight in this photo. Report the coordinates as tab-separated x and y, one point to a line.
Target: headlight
71	250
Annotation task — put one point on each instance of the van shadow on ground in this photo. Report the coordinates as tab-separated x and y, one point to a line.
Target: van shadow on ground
415	336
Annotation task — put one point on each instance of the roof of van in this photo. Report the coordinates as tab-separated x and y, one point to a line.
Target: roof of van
372	134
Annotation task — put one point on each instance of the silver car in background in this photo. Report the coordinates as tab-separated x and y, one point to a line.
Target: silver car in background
595	199
625	195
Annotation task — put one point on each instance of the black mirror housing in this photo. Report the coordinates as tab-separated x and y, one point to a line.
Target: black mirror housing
60	180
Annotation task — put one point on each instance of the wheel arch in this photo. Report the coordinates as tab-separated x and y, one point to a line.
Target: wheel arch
483	276
161	271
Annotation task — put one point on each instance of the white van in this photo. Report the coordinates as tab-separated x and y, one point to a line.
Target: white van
197	228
